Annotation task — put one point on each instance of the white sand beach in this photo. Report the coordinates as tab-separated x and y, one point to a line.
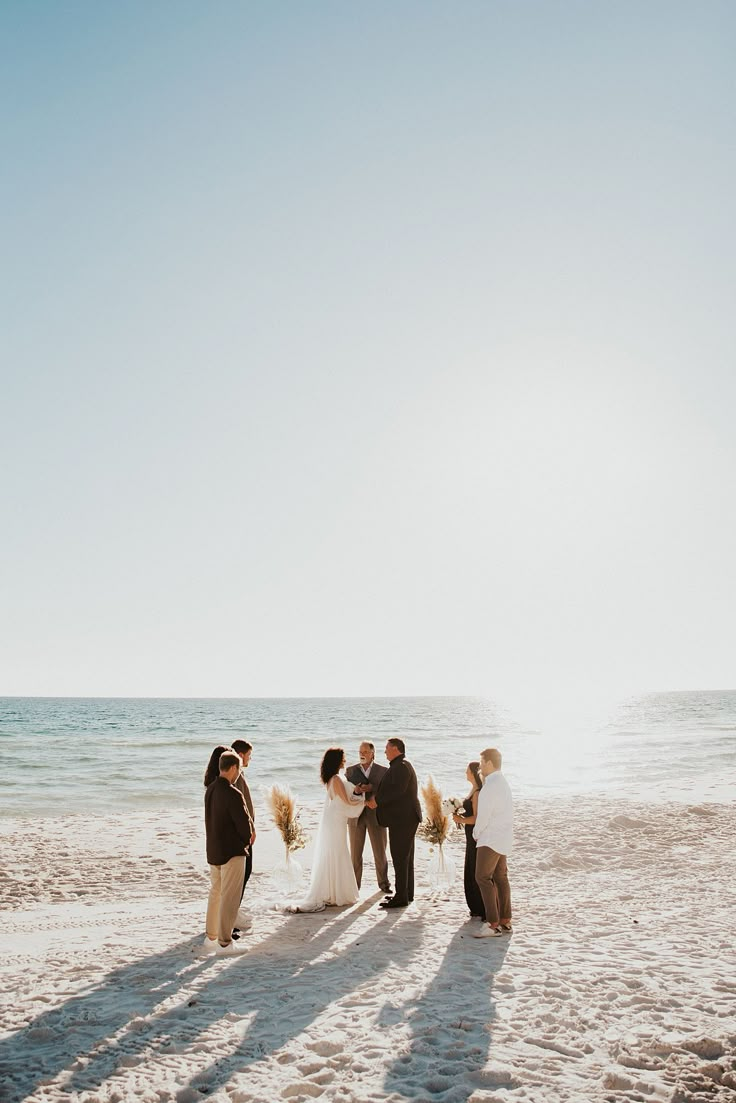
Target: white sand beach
619	982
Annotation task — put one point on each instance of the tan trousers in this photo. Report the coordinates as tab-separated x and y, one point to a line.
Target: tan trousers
491	875
226	886
367	821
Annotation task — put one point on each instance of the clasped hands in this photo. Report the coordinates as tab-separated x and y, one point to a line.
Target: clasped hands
365	790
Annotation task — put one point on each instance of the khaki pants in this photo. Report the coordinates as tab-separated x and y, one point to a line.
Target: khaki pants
226	886
491	875
367	822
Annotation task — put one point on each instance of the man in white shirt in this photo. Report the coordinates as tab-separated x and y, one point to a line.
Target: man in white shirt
494	837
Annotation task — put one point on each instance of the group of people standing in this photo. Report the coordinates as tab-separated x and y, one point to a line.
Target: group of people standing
230	829
366	799
488	819
370	799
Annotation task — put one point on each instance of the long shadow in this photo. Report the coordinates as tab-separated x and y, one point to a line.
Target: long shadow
305	991
114	1024
58	1038
450	1025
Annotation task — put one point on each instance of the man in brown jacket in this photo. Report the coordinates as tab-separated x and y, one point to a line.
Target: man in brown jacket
229	830
366	777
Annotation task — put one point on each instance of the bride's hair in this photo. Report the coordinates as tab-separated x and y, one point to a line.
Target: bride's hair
331	763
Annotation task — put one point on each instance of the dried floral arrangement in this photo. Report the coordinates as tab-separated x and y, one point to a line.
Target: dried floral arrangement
285	815
435	826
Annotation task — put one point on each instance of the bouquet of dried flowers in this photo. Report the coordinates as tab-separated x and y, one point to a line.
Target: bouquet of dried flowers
285	815
435	826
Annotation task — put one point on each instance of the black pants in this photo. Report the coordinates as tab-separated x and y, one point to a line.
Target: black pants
248	869
473	897
401	845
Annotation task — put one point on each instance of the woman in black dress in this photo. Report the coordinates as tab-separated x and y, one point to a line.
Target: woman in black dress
467	819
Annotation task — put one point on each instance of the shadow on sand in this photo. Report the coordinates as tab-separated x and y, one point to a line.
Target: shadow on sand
450	1025
271	990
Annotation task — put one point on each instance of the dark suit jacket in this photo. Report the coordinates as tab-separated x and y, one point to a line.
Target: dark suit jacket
396	796
355	775
226	821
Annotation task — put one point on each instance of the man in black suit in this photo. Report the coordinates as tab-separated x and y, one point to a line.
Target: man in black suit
366	776
397	808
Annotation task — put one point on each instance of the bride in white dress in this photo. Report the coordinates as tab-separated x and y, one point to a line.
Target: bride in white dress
333	880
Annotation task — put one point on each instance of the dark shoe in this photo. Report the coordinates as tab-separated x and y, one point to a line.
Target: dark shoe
386	888
507	928
236	933
394	903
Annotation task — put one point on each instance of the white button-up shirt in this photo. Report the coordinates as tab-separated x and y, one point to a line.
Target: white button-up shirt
494	824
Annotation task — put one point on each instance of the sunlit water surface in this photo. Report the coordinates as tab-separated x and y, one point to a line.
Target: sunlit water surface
79	755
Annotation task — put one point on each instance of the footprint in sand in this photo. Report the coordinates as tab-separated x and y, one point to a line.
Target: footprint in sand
303	1088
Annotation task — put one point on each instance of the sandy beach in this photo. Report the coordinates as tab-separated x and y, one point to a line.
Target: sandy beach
619	982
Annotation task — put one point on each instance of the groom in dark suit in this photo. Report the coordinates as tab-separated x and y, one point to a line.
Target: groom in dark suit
397	808
366	776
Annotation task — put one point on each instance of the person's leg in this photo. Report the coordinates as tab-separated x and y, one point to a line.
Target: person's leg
473	898
213	903
248	870
485	864
233	873
377	835
503	889
356	831
400	846
410	877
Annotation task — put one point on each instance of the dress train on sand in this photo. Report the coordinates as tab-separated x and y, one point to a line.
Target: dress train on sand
333	879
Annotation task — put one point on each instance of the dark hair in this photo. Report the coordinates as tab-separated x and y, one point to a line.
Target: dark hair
331	763
228	759
241	746
474	768
213	766
399	744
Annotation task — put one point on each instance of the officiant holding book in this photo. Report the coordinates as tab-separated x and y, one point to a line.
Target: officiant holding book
366	776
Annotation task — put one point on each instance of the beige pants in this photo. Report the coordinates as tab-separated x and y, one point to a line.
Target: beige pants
367	822
492	878
226	886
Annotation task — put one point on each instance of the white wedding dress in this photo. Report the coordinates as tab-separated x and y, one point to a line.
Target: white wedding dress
333	880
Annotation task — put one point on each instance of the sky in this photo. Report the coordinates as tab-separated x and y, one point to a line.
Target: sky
367	349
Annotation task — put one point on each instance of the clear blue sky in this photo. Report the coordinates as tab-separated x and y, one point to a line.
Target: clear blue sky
367	348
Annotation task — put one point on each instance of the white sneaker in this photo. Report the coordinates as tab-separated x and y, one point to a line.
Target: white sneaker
487	931
231	948
243	921
210	944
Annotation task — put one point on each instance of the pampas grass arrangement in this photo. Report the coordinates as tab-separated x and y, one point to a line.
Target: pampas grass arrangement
435	826
285	815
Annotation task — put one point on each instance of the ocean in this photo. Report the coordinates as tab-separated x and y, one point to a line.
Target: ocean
67	755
